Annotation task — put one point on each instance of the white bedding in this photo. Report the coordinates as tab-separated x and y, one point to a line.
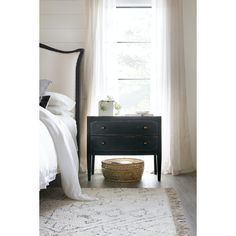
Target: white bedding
70	124
48	157
66	152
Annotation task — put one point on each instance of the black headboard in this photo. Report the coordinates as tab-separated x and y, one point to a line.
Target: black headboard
77	82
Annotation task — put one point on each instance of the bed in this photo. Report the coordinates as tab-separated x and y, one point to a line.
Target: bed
59	126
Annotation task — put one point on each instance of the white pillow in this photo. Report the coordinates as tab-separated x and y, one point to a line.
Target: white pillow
60	110
60	100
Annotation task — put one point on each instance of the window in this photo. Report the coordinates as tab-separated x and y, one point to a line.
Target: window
133	55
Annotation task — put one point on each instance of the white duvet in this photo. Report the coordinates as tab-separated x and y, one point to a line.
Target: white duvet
48	157
67	158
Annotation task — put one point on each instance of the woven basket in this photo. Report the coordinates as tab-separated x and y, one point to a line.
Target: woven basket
123	169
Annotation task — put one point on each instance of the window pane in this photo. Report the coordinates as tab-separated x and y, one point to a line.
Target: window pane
133	60
134	95
133	24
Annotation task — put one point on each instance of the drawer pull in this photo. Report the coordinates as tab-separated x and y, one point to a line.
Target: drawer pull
145	127
103	127
102	143
145	143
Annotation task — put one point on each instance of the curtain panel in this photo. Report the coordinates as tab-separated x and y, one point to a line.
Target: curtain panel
169	85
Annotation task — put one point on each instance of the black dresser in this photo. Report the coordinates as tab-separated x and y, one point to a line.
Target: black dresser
123	135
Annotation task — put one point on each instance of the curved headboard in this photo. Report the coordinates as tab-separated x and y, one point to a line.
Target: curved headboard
63	68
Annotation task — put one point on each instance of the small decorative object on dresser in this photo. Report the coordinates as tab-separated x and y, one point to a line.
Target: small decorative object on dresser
121	135
109	107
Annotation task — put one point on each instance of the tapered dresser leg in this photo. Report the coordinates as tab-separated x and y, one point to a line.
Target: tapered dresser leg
89	166
159	167
155	164
93	163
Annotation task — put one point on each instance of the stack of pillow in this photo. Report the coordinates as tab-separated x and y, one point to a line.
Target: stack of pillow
56	103
60	104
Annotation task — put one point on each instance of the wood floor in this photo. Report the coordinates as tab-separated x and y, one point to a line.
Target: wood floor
185	186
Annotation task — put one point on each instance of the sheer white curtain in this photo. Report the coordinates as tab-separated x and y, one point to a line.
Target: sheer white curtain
169	86
101	41
98	73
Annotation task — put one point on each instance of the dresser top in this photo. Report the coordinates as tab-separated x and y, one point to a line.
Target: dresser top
118	118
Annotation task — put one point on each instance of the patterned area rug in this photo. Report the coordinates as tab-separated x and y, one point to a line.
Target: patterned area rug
119	211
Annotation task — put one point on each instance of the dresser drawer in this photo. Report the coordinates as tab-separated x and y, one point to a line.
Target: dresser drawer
125	127
124	143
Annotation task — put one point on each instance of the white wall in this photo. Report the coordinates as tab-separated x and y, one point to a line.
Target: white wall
63	23
189	14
